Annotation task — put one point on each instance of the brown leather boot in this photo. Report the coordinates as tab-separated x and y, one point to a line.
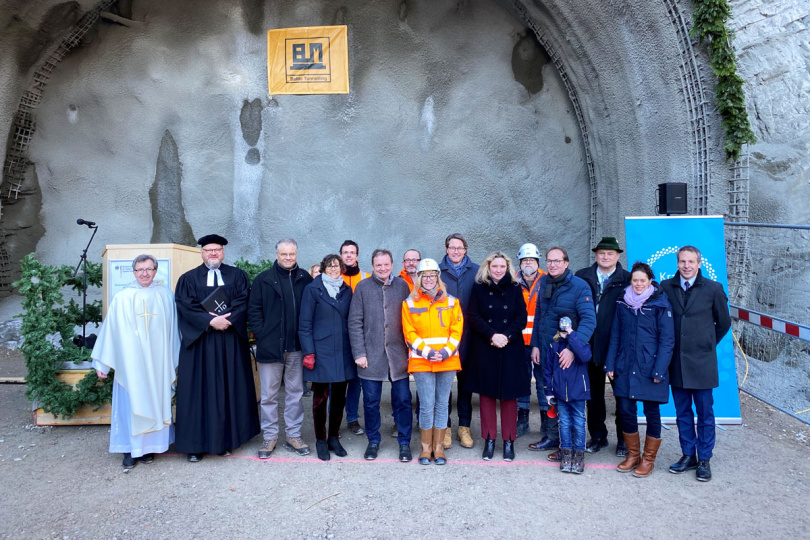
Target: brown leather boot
633	453
647	464
427	446
438	445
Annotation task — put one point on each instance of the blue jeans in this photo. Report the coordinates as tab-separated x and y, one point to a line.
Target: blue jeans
434	389
400	402
353	400
525	402
701	441
572	424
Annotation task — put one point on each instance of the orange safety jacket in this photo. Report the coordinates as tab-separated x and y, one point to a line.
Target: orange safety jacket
530	297
352	281
431	326
407	277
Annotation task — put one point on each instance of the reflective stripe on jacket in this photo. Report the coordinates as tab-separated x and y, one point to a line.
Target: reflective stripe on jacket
431	326
530	293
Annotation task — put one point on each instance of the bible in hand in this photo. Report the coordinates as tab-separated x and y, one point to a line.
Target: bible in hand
217	302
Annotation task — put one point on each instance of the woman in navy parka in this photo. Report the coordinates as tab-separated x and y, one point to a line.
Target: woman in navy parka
641	343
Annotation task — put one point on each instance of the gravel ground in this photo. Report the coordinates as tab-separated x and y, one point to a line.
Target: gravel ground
61	483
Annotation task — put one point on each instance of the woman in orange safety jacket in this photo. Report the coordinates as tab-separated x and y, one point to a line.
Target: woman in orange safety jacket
432	323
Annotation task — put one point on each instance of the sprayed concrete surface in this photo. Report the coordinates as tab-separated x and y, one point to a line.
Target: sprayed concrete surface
61	483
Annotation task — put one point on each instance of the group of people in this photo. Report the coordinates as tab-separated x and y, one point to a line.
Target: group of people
490	327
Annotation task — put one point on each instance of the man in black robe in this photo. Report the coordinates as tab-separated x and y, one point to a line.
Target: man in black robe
216	400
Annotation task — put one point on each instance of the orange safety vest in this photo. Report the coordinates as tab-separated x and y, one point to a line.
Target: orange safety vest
530	297
431	326
352	281
407	277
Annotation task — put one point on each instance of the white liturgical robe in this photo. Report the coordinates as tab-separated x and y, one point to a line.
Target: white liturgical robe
140	341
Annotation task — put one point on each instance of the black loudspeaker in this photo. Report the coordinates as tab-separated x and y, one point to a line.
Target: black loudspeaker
671	198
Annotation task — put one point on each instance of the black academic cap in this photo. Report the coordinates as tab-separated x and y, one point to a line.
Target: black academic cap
212	239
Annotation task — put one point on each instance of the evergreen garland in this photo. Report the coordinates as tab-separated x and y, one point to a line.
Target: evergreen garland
45	323
253	269
48	329
710	18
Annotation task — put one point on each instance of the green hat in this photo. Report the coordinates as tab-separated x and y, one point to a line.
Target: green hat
608	242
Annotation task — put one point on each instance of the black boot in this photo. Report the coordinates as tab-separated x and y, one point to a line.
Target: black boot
565	463
129	462
522	422
508	450
489	449
578	463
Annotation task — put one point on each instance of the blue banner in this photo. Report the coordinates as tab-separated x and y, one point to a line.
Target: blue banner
655	240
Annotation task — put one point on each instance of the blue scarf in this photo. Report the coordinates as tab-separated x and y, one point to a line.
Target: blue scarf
458	269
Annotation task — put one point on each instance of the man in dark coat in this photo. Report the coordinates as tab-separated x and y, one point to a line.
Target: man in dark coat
700	309
380	352
607	280
458	273
216	403
560	292
273	311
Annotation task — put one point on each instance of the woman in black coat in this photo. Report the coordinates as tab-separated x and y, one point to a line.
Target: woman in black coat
323	332
495	366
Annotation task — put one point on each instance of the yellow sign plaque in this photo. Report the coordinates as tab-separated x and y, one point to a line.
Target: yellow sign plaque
310	60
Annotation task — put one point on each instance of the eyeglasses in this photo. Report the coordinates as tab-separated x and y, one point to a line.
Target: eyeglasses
333	266
411	261
456	249
429	276
554	261
212	251
144	270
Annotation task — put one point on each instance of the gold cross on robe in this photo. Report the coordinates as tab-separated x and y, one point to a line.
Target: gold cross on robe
146	316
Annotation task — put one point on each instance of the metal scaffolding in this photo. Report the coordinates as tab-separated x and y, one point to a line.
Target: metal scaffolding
16	161
695	99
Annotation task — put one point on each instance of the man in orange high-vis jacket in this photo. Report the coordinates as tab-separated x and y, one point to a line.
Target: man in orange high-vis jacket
529	278
349	252
410	262
432	323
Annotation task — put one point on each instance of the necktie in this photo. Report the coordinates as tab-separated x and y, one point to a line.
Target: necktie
685	293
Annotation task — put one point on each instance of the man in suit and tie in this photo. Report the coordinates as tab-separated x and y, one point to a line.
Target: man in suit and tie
700	309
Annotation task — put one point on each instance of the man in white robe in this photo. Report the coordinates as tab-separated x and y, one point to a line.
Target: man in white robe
140	341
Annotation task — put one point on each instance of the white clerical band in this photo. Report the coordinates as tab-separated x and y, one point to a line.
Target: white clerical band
211	274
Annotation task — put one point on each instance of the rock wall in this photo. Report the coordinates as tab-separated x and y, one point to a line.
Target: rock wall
774	59
162	130
443	131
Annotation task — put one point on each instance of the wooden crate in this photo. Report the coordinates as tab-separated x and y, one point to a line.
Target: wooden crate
84	416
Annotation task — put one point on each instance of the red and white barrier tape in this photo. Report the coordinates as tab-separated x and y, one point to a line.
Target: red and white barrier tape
765	321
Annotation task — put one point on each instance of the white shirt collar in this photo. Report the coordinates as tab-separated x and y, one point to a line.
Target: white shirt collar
211	274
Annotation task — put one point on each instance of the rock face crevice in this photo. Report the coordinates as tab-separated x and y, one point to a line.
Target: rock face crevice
169	223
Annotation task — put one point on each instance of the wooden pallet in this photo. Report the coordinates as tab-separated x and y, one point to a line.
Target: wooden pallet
84	416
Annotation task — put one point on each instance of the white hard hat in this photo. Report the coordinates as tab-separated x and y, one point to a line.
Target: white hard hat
427	265
528	251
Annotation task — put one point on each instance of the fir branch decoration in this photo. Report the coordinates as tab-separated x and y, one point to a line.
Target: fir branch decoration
253	269
48	332
710	18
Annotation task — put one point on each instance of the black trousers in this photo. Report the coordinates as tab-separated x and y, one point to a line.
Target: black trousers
463	404
597	413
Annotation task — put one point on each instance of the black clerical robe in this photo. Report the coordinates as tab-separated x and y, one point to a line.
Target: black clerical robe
216	401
